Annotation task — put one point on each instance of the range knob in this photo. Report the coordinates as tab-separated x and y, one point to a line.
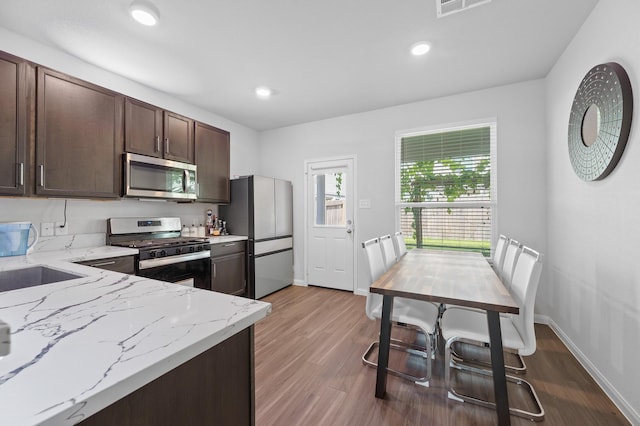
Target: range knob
163	253
199	248
152	254
191	249
178	250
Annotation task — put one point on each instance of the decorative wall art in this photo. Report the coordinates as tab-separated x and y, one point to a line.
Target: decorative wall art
600	121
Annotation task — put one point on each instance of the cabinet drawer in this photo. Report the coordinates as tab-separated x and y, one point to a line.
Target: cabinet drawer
124	264
223	249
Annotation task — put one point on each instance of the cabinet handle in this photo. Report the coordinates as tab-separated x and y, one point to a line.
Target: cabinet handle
157	143
229	245
21	174
41	175
166	145
185	181
214	270
95	265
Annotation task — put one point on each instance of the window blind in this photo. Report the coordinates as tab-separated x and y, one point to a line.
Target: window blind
445	188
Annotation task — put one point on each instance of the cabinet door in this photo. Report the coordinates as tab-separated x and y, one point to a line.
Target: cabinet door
79	138
228	274
143	128
178	137
14	109
212	158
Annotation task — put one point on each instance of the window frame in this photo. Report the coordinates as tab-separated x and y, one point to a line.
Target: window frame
492	123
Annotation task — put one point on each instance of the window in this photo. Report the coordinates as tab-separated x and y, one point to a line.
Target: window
329	199
445	187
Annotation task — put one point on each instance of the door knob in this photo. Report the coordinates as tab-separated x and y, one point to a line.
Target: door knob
349	231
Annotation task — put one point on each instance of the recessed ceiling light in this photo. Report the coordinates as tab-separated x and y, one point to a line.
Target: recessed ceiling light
144	12
263	92
420	48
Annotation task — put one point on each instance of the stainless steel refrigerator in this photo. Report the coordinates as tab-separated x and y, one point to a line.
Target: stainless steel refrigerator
262	209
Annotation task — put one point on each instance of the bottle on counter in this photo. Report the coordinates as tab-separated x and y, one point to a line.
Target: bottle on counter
209	222
193	231
201	231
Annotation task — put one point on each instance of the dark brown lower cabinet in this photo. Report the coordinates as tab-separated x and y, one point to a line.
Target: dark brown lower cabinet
228	268
214	388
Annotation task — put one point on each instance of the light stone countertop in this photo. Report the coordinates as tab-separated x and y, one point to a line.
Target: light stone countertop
226	239
79	345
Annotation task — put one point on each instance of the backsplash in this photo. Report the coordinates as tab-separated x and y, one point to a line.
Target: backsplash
87	219
70	241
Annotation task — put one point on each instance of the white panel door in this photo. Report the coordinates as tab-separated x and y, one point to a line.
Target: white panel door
329	223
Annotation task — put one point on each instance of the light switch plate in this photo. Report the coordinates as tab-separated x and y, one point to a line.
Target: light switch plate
364	204
60	230
46	229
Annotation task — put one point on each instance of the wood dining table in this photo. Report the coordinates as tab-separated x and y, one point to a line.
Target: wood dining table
450	277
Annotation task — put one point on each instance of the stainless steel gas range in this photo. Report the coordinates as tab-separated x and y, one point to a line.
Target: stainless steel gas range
163	253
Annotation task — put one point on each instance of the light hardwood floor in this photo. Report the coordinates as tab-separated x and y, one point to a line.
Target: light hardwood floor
309	372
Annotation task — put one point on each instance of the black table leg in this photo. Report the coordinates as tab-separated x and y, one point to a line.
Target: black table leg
497	365
383	347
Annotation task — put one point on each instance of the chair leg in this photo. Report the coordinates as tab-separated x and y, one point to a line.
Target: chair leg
458	358
455	395
422	381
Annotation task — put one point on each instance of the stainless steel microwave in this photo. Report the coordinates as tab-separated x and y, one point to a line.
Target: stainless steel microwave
149	177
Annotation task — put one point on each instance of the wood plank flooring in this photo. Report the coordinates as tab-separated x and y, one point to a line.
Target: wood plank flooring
309	372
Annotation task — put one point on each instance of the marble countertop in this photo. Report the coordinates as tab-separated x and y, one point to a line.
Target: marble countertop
226	239
79	345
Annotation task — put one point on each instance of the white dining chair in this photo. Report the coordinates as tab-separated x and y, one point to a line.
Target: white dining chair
511	250
498	254
511	254
388	251
518	332
399	244
419	315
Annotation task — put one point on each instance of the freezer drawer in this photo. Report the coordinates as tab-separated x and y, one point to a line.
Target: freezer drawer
262	247
273	272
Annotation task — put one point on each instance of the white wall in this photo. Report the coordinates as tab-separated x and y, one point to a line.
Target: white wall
86	216
593	293
519	109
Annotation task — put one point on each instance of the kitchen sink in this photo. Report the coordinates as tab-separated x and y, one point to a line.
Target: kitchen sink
32	276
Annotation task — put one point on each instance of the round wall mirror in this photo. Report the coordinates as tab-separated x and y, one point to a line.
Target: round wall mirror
600	121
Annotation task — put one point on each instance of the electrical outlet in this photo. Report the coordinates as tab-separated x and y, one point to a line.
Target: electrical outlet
46	229
60	230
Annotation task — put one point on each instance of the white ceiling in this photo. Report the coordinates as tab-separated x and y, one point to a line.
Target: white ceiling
323	58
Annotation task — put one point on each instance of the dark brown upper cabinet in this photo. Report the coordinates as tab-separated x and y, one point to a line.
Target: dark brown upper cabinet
16	99
79	138
151	131
212	159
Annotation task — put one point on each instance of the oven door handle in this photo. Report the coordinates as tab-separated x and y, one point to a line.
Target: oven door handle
163	261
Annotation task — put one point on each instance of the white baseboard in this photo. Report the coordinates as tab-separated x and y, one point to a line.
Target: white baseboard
627	410
301	283
360	291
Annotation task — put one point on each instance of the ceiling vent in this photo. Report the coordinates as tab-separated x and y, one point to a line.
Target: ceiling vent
447	7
